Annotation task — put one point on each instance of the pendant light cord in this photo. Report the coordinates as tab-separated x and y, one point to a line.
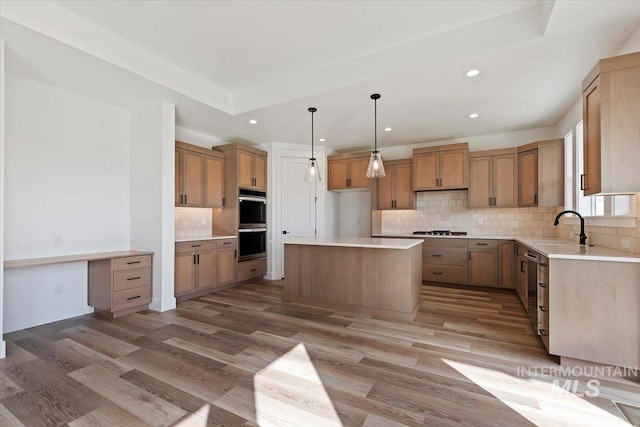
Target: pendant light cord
312	135
375	124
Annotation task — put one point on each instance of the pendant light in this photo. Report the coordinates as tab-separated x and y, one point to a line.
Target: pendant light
376	167
313	172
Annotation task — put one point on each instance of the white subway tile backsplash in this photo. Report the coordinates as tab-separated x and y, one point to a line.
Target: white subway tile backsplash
447	210
193	222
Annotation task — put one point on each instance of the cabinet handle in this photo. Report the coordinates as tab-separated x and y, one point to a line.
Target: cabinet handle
469	255
542	285
194	258
495	201
254	269
226	243
130	298
482	244
223	200
522	267
515	248
134	278
133	262
542	332
490	201
235	253
542	308
535	199
582	187
438	273
195	246
198	258
437	255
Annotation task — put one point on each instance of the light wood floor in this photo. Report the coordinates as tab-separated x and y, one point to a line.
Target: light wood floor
242	357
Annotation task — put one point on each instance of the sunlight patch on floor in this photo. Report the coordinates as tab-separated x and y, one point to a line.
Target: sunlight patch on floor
540	401
289	392
197	419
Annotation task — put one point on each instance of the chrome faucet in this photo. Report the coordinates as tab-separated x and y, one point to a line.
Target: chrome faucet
583	237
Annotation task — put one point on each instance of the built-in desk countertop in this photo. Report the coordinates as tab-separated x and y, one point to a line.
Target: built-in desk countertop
94	256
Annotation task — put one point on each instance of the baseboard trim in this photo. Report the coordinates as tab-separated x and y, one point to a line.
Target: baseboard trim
163	304
42	318
3	349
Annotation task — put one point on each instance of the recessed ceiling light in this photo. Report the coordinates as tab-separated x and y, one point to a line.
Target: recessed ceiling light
474	115
388	129
253	121
322	140
473	72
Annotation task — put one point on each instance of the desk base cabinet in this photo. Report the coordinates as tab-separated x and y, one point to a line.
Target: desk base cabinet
120	286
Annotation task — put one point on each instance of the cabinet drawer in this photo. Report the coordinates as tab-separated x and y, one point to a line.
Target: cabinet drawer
445	256
131	262
446	274
127	279
445	242
483	244
129	298
195	245
251	269
226	243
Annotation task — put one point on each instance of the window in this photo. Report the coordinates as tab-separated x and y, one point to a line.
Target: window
605	206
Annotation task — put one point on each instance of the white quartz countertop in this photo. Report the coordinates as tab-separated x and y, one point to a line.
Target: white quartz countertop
551	247
211	237
355	242
564	249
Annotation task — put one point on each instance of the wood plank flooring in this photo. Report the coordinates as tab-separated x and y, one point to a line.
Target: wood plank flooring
242	357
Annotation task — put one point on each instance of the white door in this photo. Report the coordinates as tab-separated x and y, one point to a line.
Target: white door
298	211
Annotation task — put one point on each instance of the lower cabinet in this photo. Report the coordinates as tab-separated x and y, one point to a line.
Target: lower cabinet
483	262
445	260
522	276
507	264
252	269
204	265
121	285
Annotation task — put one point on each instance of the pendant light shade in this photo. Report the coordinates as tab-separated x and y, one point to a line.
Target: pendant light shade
376	167
313	172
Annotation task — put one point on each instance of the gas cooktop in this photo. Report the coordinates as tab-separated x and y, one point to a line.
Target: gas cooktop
440	233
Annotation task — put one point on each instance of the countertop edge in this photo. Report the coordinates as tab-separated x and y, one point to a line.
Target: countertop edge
195	239
358	245
63	259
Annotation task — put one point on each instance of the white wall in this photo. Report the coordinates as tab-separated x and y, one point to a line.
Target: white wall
3	346
152	194
355	214
67	173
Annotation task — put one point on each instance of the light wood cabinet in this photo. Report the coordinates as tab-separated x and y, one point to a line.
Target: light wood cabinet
522	277
121	285
244	167
541	174
395	191
483	262
348	171
506	264
493	178
445	260
611	107
252	170
199	177
441	168
203	265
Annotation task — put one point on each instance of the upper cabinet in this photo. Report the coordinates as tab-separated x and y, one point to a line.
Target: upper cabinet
611	107
252	169
348	171
441	168
493	178
395	191
199	177
541	174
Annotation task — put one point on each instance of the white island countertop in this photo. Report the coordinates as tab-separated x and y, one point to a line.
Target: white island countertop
355	242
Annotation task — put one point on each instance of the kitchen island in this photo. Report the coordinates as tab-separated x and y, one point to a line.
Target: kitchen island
374	276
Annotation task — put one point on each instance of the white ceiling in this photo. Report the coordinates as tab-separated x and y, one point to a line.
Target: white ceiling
223	63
